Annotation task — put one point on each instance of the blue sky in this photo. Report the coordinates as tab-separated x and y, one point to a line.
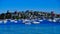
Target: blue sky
41	5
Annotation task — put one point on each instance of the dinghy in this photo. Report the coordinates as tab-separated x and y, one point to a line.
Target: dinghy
1	21
40	20
5	21
36	22
15	21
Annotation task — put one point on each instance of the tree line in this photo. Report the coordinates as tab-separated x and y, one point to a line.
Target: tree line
28	15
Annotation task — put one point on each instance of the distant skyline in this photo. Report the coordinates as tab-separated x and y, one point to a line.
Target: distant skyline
19	5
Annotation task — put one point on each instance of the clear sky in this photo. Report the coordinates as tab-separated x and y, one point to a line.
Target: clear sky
41	5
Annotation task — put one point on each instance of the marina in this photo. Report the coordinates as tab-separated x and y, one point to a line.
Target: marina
28	17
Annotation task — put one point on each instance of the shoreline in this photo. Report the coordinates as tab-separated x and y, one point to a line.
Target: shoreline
27	21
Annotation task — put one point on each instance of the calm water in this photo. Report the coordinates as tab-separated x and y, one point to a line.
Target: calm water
30	29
